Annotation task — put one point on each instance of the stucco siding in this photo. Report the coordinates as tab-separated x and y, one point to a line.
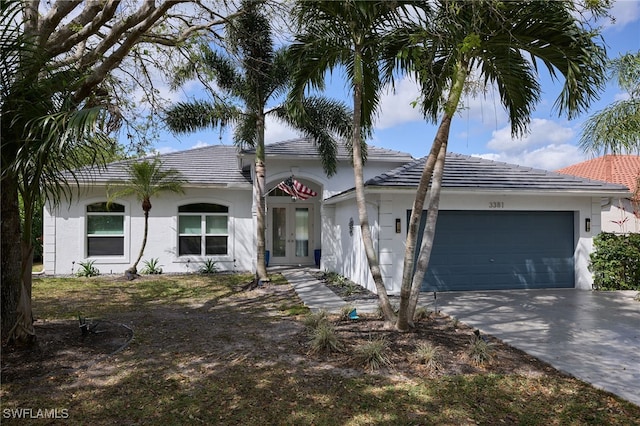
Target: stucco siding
65	234
618	216
394	207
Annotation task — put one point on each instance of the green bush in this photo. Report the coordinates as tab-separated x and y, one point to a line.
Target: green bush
615	262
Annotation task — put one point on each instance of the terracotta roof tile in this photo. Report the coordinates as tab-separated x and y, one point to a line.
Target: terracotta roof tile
621	169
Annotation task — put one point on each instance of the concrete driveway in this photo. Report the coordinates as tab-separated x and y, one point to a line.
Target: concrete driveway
594	336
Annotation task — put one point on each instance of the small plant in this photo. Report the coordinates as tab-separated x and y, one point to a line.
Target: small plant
325	339
208	267
480	350
152	267
380	313
454	324
373	353
315	319
429	355
87	269
421	313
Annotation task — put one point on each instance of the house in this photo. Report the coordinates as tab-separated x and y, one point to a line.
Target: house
619	215
500	225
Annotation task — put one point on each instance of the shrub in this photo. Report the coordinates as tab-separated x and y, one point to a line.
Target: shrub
87	269
373	353
325	339
314	319
429	355
208	267
480	351
421	313
152	267
615	262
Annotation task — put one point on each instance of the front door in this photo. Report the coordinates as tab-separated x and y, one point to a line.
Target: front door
290	227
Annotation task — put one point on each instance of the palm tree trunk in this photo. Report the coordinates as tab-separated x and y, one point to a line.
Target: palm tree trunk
410	289
367	240
11	284
260	182
404	320
134	267
430	230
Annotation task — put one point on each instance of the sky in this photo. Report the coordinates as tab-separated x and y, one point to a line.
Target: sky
480	128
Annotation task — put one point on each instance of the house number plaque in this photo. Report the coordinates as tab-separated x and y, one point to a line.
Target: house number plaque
496	204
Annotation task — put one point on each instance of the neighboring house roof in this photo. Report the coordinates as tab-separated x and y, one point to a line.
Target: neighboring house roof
211	165
305	147
466	172
622	169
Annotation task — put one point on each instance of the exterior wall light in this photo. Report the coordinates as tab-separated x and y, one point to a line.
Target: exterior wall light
587	224
398	226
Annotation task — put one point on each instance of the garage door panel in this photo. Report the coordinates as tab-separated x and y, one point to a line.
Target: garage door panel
482	250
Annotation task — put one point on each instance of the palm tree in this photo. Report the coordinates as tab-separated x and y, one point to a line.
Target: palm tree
502	43
445	42
245	86
349	35
147	179
616	128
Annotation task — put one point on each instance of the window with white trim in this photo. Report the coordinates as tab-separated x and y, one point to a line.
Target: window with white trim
105	229
203	229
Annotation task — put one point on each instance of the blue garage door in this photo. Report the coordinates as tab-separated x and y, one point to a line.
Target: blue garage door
488	250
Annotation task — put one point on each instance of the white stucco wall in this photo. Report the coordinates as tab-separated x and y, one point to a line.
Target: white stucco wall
65	226
386	207
65	233
618	216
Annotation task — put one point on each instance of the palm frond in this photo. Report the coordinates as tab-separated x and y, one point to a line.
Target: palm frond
615	129
186	117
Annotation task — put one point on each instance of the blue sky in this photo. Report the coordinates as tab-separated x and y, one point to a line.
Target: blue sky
480	129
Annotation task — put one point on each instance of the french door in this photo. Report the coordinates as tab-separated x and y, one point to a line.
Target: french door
290	227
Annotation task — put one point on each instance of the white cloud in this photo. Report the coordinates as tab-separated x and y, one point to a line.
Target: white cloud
542	132
625	12
550	157
164	150
200	144
276	131
395	105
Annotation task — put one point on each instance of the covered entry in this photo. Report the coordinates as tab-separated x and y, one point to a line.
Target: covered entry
495	250
291	218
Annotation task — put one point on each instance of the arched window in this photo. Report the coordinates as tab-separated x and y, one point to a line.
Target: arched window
105	229
203	229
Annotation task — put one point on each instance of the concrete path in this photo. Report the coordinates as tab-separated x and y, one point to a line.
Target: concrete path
594	336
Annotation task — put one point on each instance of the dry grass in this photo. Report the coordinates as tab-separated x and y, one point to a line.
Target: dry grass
205	352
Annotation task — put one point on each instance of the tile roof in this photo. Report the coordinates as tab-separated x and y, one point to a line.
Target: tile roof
622	169
210	165
463	171
304	147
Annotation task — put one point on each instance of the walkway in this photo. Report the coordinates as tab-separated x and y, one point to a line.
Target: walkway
593	336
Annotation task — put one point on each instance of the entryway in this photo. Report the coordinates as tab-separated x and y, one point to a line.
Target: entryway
290	233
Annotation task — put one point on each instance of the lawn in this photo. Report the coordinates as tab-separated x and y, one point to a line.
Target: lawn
200	350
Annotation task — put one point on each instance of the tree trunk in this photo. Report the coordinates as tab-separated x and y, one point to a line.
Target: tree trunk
259	191
134	267
363	216
410	289
11	273
430	230
404	319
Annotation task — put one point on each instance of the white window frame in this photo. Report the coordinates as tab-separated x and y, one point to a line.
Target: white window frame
203	231
107	257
